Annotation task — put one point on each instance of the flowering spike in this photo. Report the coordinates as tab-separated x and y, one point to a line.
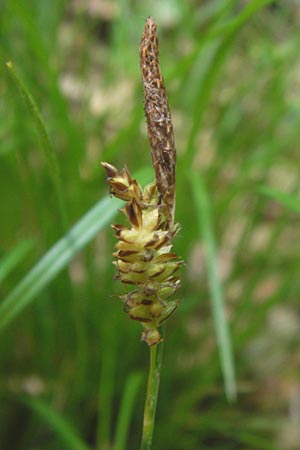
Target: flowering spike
144	257
159	121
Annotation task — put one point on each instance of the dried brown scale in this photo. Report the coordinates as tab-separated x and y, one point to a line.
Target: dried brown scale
159	121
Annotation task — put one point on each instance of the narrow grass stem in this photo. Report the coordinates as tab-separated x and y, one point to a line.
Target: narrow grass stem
156	352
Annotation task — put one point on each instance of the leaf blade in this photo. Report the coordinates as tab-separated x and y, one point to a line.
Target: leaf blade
132	385
216	292
46	144
290	201
60	254
56	259
14	257
59	424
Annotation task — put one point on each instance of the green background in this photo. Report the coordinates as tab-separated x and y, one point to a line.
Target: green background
73	370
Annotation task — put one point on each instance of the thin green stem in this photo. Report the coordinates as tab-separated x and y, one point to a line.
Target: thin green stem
152	394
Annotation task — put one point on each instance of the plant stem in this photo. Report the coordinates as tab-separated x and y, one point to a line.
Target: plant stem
152	394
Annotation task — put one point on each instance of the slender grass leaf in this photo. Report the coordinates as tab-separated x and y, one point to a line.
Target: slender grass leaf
249	10
205	225
288	200
203	93
14	257
220	29
47	147
56	259
126	410
64	431
59	256
38	45
228	32
252	440
106	389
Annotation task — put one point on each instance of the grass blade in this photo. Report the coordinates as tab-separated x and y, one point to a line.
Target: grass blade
126	410
12	259
202	94
290	201
56	259
47	147
62	428
249	10
206	232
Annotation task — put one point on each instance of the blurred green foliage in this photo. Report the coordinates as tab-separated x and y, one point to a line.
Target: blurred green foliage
72	368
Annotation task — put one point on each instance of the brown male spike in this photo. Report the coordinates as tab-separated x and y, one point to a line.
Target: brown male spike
159	121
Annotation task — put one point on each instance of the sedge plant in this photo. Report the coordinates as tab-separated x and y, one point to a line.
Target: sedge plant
143	258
